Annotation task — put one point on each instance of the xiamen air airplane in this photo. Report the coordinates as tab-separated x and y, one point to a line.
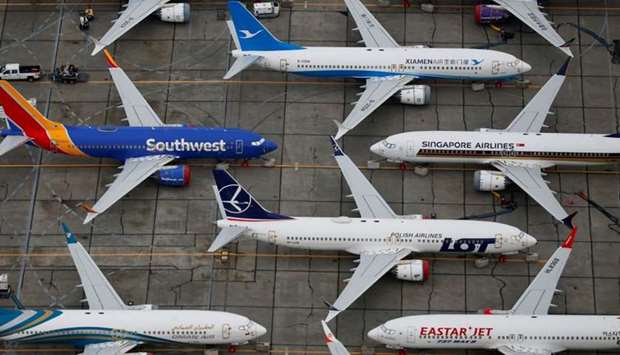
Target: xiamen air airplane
110	327
386	66
145	147
380	237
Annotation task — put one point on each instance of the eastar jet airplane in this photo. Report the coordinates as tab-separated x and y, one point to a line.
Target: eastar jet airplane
519	152
526	329
110	327
136	11
145	147
380	237
529	13
386	66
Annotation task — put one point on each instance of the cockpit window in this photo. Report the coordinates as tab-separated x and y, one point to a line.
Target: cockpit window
258	142
389	145
513	63
387	330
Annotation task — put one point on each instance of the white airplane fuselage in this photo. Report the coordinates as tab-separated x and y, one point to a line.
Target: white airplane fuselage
362	62
547	149
83	327
362	234
552	332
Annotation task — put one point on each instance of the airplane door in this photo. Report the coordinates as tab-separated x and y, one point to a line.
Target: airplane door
411	149
499	239
495	67
272	236
411	332
283	64
226	331
239	146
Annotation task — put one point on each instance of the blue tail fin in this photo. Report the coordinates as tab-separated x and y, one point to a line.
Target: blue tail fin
251	35
237	202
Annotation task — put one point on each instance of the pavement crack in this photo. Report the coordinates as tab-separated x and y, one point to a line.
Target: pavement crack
500	280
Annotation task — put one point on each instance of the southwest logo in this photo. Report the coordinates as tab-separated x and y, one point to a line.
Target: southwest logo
180	145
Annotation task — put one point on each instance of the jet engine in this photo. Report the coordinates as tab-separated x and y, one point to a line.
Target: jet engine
177	13
488	180
415	95
173	175
485	14
412	270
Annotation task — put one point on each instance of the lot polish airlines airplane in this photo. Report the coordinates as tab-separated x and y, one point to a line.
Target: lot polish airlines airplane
145	147
519	152
380	237
526	329
386	66
110	327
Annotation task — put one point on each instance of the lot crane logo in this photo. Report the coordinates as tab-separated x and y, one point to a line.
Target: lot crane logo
235	199
248	35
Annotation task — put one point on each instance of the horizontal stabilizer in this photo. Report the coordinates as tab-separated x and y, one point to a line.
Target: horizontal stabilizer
11	142
240	64
226	236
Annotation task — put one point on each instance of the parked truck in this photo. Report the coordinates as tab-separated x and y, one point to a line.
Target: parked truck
15	71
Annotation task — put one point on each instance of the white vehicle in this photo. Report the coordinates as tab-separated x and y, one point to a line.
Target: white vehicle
15	71
136	11
387	67
519	152
380	237
526	329
266	9
110	326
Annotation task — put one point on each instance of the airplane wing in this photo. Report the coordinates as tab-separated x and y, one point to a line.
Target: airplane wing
529	13
135	170
110	348
99	293
377	91
529	178
136	11
532	117
139	112
372	265
373	34
522	350
334	345
368	200
537	298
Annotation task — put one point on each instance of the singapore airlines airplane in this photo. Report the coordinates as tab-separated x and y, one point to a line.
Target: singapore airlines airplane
520	151
386	66
529	13
145	148
110	327
380	237
136	11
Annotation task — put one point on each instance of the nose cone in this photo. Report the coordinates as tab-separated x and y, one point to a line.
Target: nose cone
524	67
269	146
530	241
377	148
374	334
260	330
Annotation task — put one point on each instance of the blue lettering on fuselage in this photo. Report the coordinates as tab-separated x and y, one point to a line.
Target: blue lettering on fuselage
466	245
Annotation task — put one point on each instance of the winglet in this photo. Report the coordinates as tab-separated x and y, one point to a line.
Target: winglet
68	234
98	46
341	130
570	239
566	48
568	221
337	151
108	58
90	216
564	67
333	311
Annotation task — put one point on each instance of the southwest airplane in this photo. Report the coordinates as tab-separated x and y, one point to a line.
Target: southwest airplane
110	327
519	152
144	148
383	63
380	237
529	13
136	11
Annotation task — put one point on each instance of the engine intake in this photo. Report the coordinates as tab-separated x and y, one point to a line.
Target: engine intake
173	175
412	270
176	13
415	95
488	180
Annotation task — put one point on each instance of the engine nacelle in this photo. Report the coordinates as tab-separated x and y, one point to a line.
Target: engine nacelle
412	270
487	180
173	175
485	14
415	95
176	13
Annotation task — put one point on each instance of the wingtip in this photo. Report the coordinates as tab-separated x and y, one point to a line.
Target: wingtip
68	234
568	221
89	217
570	239
336	147
110	59
329	336
564	67
341	130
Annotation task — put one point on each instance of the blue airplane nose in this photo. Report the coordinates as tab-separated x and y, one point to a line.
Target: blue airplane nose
269	146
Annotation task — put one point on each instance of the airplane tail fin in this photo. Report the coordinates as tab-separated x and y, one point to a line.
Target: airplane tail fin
236	202
250	35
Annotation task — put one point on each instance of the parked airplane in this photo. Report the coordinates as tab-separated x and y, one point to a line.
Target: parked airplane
528	11
386	66
520	151
136	11
380	237
109	326
526	329
145	147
